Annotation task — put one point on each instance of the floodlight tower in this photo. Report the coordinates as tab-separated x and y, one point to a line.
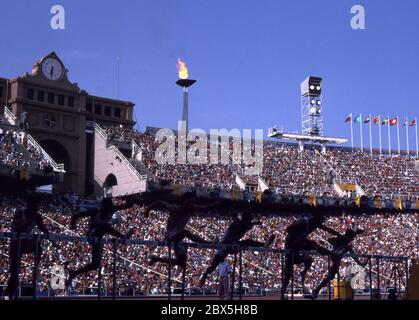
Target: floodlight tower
311	106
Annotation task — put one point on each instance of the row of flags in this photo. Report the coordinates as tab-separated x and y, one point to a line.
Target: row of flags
390	122
385	121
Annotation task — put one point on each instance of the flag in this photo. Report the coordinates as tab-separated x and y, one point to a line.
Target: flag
385	121
358	201
259	196
406	122
394	122
377	203
357	119
413	123
176	189
349	118
376	120
234	195
398	204
313	200
367	119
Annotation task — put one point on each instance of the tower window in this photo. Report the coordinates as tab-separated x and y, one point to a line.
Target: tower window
41	96
117	113
98	109
1	92
108	111
51	98
61	99
89	107
71	102
30	94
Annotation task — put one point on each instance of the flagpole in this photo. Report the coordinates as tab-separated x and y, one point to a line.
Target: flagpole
379	132
360	131
370	117
406	124
398	135
389	137
352	133
417	150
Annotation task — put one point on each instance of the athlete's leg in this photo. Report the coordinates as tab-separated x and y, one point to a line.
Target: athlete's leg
253	243
178	260
250	243
13	269
111	231
334	268
95	263
195	238
288	269
313	245
307	261
218	258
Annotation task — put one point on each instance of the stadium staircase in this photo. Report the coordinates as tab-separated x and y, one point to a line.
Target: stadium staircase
109	160
11	123
338	181
136	161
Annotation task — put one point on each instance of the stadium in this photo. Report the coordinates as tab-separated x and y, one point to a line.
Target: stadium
93	207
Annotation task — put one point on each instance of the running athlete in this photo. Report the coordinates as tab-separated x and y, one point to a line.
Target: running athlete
238	228
24	223
297	240
341	245
99	226
179	216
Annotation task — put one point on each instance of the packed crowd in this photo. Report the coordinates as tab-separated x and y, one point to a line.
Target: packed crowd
395	235
17	152
377	175
285	169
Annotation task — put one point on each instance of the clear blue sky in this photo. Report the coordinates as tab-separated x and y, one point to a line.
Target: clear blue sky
249	57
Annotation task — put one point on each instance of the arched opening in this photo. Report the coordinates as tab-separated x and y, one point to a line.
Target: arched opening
60	155
108	185
110	181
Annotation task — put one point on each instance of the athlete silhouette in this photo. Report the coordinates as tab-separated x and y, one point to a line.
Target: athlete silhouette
238	228
341	245
24	222
179	216
99	226
297	240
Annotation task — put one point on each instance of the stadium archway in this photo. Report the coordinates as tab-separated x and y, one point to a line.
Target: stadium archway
60	155
109	183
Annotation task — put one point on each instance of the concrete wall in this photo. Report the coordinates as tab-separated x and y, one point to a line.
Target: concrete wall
106	163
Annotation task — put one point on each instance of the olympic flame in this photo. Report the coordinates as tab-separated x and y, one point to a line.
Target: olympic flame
183	71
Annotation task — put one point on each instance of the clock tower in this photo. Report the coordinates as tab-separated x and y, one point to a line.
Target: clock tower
60	116
56	115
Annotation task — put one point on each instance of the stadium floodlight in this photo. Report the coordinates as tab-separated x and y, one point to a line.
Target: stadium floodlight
311	106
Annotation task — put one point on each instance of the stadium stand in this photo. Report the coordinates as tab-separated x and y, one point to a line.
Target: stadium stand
385	235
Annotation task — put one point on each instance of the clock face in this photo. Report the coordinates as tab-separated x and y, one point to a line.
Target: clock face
52	69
